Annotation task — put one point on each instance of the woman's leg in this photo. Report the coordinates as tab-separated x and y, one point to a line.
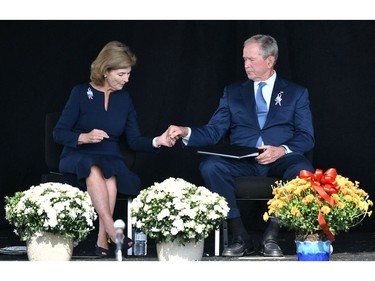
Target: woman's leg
112	194
103	196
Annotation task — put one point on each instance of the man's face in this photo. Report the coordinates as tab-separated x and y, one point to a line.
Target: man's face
257	68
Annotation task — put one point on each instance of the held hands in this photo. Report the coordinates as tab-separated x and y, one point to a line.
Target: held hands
176	132
165	140
95	136
171	135
270	154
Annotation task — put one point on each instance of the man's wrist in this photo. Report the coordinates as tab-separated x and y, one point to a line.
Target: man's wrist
188	133
154	143
186	138
286	149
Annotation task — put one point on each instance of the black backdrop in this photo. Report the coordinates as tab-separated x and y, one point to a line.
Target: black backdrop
182	68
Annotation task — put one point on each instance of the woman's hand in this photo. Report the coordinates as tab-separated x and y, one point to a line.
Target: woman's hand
165	140
95	136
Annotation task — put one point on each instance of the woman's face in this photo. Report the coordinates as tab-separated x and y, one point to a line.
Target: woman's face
116	79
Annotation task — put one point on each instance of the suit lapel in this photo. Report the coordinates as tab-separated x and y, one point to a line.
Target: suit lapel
278	89
247	93
248	96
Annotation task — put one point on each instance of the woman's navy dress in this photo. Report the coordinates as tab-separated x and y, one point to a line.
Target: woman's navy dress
83	112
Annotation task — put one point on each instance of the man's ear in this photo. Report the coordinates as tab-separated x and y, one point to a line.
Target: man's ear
270	61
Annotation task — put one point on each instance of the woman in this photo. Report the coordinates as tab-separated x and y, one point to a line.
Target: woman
95	116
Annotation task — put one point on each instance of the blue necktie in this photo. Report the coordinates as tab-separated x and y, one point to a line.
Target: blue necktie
261	108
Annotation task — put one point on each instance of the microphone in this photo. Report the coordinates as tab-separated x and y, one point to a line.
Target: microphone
119	226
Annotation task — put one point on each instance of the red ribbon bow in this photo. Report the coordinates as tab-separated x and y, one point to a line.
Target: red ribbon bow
324	184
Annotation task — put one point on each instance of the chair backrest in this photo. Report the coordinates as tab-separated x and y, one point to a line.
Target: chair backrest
53	150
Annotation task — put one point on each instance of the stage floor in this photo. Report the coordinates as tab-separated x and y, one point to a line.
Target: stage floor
350	246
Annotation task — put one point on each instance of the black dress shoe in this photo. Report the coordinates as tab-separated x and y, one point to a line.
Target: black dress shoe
238	248
271	249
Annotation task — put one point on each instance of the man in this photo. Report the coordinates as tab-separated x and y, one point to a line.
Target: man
287	133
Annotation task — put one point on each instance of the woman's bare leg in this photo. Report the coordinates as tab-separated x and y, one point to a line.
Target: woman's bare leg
103	194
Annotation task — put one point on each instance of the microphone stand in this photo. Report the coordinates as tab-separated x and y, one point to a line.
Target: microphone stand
119	226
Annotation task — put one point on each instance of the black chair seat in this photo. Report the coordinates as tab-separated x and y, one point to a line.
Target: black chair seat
254	188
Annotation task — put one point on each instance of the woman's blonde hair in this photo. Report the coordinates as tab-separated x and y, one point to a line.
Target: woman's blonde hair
114	55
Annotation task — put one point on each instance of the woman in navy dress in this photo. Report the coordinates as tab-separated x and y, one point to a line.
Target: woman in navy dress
95	116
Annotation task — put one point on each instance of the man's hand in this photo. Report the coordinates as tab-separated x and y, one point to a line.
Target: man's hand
270	154
176	132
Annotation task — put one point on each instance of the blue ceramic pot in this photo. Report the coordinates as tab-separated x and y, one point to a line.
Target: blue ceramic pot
313	251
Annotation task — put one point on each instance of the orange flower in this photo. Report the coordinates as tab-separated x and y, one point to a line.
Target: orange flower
308	199
325	210
297	204
296	212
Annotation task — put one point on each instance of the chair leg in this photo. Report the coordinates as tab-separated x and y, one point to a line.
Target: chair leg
224	226
129	225
225	234
217	241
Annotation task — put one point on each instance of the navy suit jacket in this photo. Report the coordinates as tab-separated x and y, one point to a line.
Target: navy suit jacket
288	122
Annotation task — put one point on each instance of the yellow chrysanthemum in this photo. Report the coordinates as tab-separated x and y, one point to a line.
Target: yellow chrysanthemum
296	203
308	199
325	210
340	205
266	216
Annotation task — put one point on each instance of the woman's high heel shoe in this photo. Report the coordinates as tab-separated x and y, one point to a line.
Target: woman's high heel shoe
127	243
101	252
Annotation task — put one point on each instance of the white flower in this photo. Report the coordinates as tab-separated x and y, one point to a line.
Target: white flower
52	207
164	213
176	208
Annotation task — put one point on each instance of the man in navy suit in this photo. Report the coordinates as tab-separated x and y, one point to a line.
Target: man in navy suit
286	135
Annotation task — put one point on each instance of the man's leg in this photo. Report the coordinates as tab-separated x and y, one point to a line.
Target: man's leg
218	175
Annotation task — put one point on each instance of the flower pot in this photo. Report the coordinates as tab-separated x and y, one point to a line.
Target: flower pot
175	251
49	247
176	208
313	250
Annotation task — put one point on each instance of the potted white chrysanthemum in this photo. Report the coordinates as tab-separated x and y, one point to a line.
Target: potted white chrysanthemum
179	212
51	208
